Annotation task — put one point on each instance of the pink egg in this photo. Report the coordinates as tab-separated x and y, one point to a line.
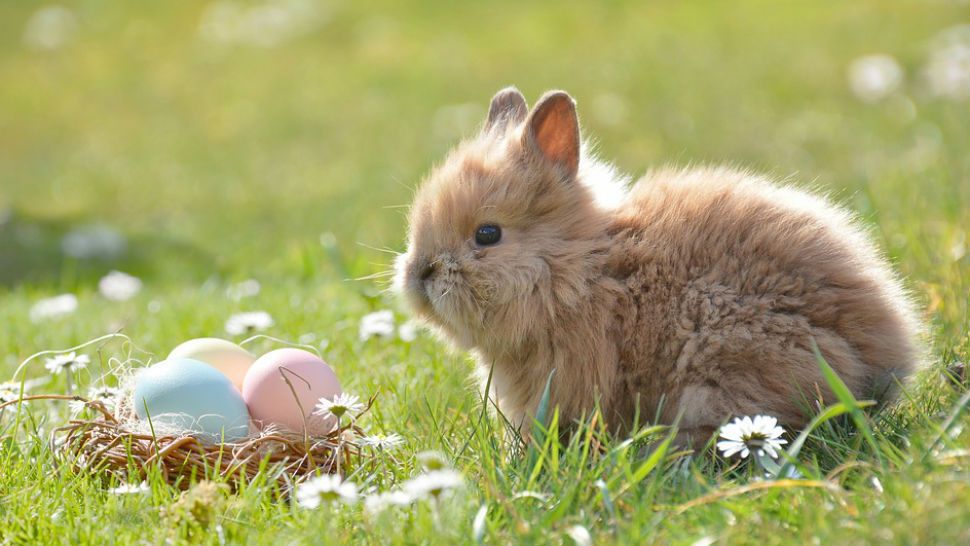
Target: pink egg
271	399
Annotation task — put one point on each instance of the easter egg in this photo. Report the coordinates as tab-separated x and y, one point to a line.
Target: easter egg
225	356
283	386
188	395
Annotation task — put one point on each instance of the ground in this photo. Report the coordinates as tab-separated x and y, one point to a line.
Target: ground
280	142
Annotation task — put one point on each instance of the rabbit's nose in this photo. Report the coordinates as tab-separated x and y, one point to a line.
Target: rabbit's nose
427	269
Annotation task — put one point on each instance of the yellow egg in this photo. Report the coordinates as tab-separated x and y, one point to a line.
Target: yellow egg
225	356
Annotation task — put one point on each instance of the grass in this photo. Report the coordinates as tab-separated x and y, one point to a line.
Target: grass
289	164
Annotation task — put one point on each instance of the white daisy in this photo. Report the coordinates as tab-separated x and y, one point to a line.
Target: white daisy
329	488
76	407
432	460
247	323
341	405
408	332
377	324
580	535
54	307
744	435
130	488
10	391
67	362
119	286
433	484
383	441
244	289
948	68
375	504
874	77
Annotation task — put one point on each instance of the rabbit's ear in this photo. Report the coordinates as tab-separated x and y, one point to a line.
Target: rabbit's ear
552	131
508	107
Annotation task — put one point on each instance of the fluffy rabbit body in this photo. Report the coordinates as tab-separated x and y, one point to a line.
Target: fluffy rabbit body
694	296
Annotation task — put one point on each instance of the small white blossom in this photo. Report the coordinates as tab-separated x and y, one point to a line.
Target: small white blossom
130	489
54	307
874	77
342	404
10	391
50	28
408	332
375	504
580	535
244	289
76	407
744	435
66	362
247	323
383	441
329	488
433	484
119	286
377	324
948	68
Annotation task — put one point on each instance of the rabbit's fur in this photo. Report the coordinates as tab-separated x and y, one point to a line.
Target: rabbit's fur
696	296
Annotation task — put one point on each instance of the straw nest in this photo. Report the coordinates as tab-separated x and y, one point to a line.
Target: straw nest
118	444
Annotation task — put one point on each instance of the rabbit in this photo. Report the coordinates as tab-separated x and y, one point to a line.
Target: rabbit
692	296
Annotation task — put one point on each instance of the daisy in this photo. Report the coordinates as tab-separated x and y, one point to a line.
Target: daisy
432	460
408	332
130	488
118	286
329	488
246	323
244	289
10	391
433	484
874	77
580	535
744	435
76	407
67	363
341	405
57	306
383	441
377	324
375	504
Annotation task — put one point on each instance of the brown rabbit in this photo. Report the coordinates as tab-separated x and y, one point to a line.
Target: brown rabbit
695	295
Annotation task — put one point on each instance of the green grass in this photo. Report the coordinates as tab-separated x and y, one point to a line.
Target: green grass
226	162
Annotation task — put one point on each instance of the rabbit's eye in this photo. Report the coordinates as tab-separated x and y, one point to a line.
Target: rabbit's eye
488	234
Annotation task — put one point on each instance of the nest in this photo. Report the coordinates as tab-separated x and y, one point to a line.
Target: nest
109	444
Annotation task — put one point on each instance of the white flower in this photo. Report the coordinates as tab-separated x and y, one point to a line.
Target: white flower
129	489
383	441
244	289
408	332
50	28
580	535
378	323
375	504
118	286
245	323
76	407
66	362
329	488
874	77
341	405
433	484
744	435
432	460
10	391
948	68
54	307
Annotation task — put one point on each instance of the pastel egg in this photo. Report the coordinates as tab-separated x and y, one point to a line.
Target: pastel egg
188	395
225	356
283	386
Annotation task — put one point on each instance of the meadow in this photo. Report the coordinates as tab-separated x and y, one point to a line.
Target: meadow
201	146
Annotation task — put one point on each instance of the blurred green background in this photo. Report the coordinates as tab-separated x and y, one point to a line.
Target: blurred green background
222	139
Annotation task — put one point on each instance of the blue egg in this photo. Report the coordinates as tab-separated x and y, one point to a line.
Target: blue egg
191	396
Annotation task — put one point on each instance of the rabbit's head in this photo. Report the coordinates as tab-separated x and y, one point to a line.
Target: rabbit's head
502	235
